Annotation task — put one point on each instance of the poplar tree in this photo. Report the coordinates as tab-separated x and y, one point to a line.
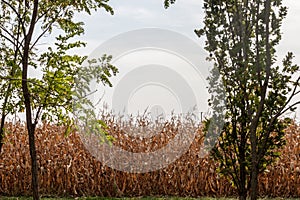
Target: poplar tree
241	38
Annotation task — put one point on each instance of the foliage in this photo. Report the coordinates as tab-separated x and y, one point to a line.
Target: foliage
167	3
241	39
52	92
48	97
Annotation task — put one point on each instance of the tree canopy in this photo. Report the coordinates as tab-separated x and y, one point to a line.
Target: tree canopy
241	39
62	78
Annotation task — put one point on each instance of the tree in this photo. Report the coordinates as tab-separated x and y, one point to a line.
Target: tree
241	39
8	93
23	23
167	3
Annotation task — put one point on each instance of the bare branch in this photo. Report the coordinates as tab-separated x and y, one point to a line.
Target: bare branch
20	18
13	8
293	93
289	107
12	37
7	38
46	29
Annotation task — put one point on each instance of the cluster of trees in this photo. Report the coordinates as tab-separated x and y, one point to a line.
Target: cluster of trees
241	39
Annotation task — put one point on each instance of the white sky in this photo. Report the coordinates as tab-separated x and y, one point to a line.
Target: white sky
183	17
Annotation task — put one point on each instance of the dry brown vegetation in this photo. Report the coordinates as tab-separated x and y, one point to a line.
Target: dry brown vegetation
66	168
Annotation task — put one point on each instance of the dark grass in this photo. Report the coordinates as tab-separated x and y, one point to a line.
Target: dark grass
138	198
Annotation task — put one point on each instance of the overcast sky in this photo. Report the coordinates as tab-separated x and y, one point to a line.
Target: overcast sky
183	17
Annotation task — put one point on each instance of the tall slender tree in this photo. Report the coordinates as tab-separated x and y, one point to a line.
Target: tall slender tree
241	38
23	23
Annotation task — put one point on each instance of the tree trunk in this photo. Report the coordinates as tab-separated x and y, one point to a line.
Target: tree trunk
3	116
32	148
31	131
34	167
254	184
243	188
27	102
243	196
254	164
2	133
2	127
254	151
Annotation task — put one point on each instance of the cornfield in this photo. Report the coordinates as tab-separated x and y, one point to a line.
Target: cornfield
66	168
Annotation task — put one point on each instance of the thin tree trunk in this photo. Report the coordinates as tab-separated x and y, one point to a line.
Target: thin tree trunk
243	196
243	188
27	101
254	151
31	131
34	167
3	116
4	107
6	99
254	184
2	131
